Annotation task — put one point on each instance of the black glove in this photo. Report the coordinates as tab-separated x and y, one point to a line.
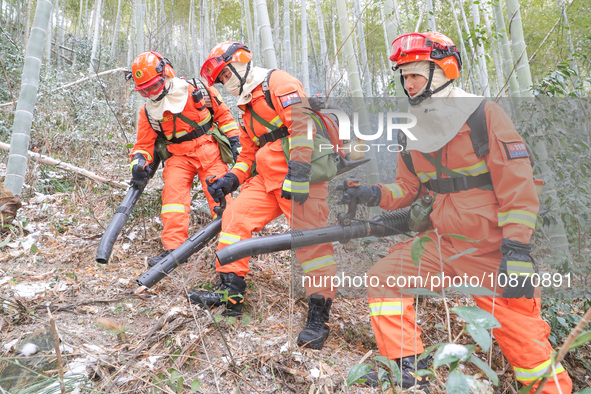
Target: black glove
368	195
518	266
296	185
236	148
139	171
222	186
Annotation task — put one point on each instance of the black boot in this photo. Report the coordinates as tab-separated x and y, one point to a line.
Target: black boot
228	291
408	372
317	328
156	259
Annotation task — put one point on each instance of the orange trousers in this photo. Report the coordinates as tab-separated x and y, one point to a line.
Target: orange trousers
179	173
523	335
255	207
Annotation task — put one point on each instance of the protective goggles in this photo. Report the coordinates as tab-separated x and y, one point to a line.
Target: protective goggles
152	87
421	44
214	65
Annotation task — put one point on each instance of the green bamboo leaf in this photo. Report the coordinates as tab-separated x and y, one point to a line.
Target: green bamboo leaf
472	290
485	368
462	237
457	383
477	316
581	340
421	291
418	248
391	365
450	353
356	374
467	251
527	389
480	335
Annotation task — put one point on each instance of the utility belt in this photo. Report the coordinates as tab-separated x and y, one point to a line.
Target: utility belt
273	136
453	185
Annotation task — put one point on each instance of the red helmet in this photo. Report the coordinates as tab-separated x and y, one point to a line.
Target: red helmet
430	46
148	71
220	56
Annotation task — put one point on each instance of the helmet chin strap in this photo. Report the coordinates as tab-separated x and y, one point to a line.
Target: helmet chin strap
161	96
416	100
241	79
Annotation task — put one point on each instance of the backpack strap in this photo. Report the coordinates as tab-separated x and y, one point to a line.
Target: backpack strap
479	131
405	154
156	126
266	90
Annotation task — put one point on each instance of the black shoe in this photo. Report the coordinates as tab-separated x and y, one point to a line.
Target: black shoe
317	328
228	291
408	372
156	259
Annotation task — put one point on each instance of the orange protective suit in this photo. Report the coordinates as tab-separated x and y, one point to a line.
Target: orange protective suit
508	211
260	200
199	156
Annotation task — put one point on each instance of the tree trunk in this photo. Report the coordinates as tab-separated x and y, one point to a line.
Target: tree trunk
270	59
471	43
287	37
23	117
58	51
334	41
304	48
482	69
557	233
257	55
366	80
569	37
194	40
27	18
48	41
138	38
506	49
94	62
390	32
431	25
116	29
494	49
323	47
469	76
277	32
359	104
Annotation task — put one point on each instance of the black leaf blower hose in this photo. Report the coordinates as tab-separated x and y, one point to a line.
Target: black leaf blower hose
384	225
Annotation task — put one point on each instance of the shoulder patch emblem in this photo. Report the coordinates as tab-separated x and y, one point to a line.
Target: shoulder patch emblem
515	150
289	99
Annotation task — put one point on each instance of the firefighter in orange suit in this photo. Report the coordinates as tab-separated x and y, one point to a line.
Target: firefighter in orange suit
490	198
176	111
279	185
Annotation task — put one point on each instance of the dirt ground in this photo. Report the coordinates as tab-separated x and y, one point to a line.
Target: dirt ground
115	340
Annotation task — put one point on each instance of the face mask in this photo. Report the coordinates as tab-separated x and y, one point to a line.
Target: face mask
232	85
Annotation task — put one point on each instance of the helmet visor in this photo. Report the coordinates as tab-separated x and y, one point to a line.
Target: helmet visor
410	44
211	69
151	88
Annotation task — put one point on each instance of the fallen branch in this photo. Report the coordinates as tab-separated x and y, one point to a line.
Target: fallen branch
38	157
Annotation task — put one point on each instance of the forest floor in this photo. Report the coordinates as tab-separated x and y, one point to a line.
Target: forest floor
116	340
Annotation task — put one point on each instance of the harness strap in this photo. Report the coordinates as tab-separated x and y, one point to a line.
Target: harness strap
266	91
453	185
274	135
479	131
